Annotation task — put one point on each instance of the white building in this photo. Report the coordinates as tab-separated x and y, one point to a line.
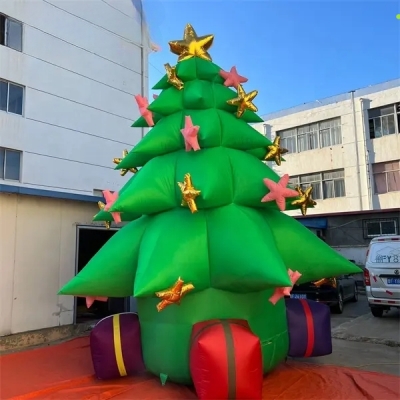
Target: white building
68	73
348	148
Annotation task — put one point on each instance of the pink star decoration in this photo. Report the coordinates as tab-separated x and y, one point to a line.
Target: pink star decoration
285	291
279	192
111	198
155	47
232	78
91	299
143	103
190	133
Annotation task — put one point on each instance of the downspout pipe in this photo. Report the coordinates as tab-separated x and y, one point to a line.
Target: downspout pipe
368	168
353	106
142	56
265	126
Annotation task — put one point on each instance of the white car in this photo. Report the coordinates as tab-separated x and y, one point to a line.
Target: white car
382	274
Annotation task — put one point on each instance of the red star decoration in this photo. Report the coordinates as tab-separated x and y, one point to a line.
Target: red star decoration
232	78
91	299
111	198
190	133
279	192
281	292
143	103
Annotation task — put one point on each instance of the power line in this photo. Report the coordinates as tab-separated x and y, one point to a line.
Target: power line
156	68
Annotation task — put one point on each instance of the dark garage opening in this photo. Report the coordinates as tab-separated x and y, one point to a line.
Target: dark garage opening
90	241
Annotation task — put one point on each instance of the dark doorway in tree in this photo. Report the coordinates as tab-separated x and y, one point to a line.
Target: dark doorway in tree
89	242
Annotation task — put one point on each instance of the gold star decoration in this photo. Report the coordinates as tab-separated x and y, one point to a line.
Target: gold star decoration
243	101
325	281
173	294
192	45
275	151
117	161
101	208
305	199
189	193
172	77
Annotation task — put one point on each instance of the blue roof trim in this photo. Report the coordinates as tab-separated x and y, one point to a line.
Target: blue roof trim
48	193
315	223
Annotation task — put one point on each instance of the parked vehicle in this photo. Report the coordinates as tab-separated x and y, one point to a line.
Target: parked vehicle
382	274
334	292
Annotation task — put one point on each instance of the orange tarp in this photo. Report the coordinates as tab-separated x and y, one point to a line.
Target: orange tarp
65	371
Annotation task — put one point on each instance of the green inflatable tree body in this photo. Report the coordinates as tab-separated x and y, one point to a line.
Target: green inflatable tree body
231	254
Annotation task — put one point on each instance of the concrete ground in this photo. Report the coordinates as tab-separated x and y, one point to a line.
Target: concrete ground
363	341
351	312
361	355
367	328
358	324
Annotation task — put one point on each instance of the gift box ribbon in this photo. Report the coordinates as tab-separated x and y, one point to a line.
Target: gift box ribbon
230	349
310	328
118	346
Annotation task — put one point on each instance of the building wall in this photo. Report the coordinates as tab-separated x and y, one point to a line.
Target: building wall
81	64
356	253
37	257
349	230
349	236
355	139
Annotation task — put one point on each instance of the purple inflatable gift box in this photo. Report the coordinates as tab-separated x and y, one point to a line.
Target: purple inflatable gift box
116	346
309	325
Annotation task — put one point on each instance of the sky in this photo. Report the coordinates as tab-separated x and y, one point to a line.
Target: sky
292	51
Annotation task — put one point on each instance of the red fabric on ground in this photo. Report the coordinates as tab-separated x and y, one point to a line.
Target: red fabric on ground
65	371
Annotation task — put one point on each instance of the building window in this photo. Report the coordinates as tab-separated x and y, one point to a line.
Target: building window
10	164
309	137
386	177
11	97
380	227
294	181
398	117
10	33
330	132
384	121
288	140
326	185
333	184
313	180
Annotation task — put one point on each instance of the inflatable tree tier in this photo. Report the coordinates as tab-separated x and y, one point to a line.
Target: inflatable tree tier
206	238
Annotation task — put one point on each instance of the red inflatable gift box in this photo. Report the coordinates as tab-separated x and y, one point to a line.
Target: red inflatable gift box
226	360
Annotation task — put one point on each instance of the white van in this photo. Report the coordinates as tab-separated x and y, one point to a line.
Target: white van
382	274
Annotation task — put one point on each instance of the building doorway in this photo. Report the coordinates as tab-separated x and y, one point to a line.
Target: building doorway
89	241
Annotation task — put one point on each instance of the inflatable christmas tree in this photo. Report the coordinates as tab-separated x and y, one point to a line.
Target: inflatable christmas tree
206	239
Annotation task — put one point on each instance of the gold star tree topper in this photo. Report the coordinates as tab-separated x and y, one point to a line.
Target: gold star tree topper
192	45
244	101
101	206
172	77
173	295
117	161
305	199
189	193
